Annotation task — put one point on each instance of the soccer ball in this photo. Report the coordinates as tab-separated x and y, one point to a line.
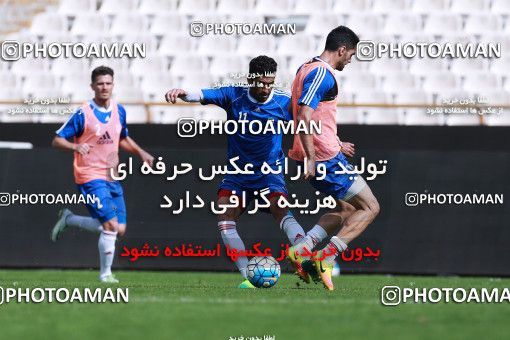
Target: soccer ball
263	272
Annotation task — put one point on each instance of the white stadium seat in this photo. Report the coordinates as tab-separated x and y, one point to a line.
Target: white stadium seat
222	45
429	6
114	7
183	65
439	23
462	119
500	7
168	23
118	64
399	23
234	6
467	66
383	66
86	23
250	45
475	82
128	24
419	116
67	66
173	44
192	7
392	82
306	7
480	23
438	82
273	7
41	86
365	24
371	97
388	6
155	7
350	6
136	114
357	82
318	24
152	64
48	22
150	41
71	7
225	65
469	6
380	116
291	44
349	115
30	66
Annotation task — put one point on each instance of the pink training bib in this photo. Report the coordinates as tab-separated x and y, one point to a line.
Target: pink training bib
103	139
327	144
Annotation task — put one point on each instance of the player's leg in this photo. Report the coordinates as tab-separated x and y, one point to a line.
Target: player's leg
106	246
366	209
227	225
66	219
112	228
284	218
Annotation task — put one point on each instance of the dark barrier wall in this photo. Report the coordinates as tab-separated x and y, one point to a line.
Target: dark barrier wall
468	239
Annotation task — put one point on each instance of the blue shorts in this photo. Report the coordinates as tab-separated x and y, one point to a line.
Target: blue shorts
111	200
251	183
335	185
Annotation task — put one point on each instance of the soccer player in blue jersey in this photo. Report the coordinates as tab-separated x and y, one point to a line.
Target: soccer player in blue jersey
261	102
98	128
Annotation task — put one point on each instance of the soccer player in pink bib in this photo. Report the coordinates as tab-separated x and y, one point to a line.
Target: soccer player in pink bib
98	128
314	98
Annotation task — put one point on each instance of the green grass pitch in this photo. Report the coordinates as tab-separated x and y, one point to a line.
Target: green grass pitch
182	305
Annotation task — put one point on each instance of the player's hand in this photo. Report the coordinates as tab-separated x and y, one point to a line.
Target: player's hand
83	149
147	158
172	95
347	149
310	169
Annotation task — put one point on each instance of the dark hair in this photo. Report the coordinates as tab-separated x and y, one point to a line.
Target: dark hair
341	36
262	65
101	71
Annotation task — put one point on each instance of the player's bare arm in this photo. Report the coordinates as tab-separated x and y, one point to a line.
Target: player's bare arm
64	144
305	114
129	145
347	149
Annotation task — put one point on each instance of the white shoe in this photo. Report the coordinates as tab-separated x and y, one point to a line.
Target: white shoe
61	225
109	279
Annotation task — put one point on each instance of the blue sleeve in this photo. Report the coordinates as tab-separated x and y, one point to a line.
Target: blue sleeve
287	116
122	115
316	84
221	96
73	127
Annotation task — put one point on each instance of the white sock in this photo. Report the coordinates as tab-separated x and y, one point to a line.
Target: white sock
312	238
232	239
291	227
338	245
84	222
106	247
